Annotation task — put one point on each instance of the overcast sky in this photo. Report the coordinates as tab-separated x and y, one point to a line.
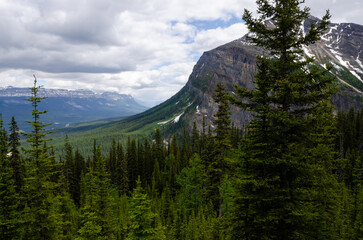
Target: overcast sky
143	48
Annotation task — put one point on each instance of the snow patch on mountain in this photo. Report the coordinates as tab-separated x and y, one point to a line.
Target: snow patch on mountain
10	91
197	111
346	64
176	119
306	51
358	61
165	122
302	30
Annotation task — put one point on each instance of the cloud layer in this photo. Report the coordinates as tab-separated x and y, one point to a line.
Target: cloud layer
143	48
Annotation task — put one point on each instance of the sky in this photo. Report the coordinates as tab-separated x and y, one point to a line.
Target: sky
143	48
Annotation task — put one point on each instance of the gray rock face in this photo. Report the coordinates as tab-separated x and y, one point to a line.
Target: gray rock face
341	46
231	64
235	64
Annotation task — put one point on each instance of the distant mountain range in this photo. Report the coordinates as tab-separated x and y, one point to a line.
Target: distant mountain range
66	107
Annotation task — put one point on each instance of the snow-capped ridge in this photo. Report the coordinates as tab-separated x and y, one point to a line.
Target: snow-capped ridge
11	91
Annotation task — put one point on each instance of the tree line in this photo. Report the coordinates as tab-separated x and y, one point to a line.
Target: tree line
296	171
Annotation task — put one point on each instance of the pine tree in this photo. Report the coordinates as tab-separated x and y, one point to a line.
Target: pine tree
36	138
285	186
15	158
158	150
190	180
216	168
112	161
40	213
195	140
97	220
79	171
184	151
132	163
141	159
69	168
143	223
68	220
121	171
9	225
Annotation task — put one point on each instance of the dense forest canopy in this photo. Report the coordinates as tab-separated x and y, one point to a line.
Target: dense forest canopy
295	172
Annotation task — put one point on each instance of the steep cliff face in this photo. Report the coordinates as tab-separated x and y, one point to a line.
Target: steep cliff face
235	64
231	64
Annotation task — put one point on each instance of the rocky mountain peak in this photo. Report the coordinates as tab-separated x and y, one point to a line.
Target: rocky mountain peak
235	64
342	46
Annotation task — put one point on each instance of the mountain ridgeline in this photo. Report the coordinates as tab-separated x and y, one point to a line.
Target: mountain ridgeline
67	107
235	64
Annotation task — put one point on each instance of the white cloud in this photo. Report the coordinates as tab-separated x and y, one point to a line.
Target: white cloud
212	38
145	48
341	10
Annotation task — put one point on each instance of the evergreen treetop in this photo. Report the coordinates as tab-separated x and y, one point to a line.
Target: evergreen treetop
36	138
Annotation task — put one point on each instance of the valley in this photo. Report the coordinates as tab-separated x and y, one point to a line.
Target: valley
258	144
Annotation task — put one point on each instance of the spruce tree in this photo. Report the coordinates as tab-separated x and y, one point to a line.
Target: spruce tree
190	180
132	163
40	213
112	161
143	223
121	171
195	140
69	168
79	171
97	220
149	162
158	150
285	186
37	137
15	158
216	168
9	224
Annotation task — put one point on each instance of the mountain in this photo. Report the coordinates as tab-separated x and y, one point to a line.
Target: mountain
342	46
235	63
66	107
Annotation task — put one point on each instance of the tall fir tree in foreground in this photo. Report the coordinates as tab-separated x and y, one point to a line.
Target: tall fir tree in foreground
285	186
40	215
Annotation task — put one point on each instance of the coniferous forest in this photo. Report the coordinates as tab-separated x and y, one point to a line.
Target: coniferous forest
296	171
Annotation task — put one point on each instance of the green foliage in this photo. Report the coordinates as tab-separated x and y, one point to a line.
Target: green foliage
36	138
285	189
190	180
40	215
297	173
350	78
143	223
15	158
9	222
217	166
97	220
